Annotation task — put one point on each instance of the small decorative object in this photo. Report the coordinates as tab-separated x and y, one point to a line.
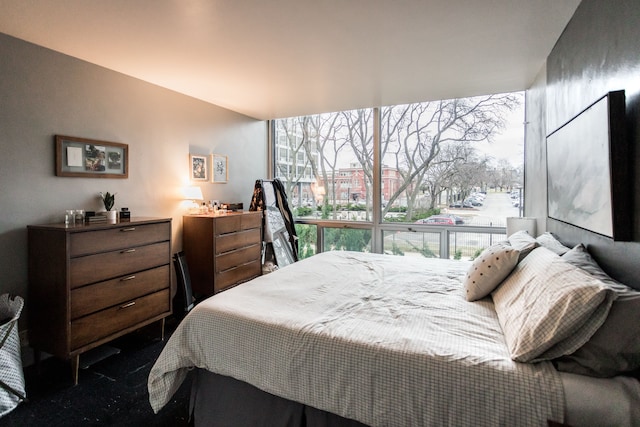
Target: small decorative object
220	169
198	167
89	158
109	200
69	217
125	214
79	216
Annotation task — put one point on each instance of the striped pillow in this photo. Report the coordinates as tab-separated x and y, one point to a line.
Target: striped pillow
549	308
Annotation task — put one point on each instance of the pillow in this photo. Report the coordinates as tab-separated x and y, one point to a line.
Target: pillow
549	308
615	348
523	242
580	257
550	242
489	269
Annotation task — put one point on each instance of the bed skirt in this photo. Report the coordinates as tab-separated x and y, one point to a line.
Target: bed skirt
218	400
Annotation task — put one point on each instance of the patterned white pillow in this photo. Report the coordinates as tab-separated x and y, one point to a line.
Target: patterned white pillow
549	308
489	269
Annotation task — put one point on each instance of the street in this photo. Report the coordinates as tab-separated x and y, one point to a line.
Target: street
493	212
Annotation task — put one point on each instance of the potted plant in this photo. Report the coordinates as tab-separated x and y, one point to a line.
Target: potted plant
108	200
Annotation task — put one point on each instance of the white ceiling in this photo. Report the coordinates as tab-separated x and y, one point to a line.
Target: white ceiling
280	58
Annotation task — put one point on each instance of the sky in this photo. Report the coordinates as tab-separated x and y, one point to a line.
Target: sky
509	144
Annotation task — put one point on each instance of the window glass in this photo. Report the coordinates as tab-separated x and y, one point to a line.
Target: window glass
327	172
445	165
307	240
346	239
437	158
407	243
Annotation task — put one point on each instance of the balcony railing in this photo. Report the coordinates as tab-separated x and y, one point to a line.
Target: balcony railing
437	241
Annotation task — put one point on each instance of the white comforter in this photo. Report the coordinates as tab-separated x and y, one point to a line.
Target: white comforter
385	340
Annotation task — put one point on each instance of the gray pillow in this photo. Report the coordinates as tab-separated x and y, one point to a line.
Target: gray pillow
548	308
580	257
550	242
489	269
615	348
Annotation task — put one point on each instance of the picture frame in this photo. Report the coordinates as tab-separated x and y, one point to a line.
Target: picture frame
219	169
588	170
91	158
198	167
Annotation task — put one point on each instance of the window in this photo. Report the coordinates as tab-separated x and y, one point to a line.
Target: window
325	150
437	162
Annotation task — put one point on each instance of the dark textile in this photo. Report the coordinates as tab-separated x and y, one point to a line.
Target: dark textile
279	232
219	400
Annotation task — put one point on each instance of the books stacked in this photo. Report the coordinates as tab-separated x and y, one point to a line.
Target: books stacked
96	219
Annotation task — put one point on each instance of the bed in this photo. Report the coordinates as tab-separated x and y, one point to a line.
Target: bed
351	339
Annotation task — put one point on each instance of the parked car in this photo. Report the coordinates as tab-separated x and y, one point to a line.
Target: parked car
456	204
458	220
437	220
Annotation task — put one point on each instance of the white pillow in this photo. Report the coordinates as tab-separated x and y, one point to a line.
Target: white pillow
489	269
549	308
550	242
524	242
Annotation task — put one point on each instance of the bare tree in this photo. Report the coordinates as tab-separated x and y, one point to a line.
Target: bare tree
427	143
414	135
321	138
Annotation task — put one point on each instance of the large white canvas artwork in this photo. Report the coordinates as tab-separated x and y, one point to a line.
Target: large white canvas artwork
579	175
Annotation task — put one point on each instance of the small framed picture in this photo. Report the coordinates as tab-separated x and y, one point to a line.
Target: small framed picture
220	168
198	167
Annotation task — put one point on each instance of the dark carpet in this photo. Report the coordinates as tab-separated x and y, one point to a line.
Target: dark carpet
112	391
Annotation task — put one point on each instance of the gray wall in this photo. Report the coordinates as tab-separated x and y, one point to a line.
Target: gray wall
43	93
598	52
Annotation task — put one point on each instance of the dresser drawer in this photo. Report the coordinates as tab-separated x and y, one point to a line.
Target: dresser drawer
233	223
229	242
127	236
92	298
106	322
242	273
238	257
100	267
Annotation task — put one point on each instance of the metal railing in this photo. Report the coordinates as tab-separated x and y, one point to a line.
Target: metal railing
442	241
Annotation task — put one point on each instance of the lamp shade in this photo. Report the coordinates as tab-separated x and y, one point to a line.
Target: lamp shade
521	223
193	193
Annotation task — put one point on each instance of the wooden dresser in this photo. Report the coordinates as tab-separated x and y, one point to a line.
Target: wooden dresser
222	250
91	283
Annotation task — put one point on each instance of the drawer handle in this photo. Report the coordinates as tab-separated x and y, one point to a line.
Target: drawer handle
128	229
129	304
124	279
128	251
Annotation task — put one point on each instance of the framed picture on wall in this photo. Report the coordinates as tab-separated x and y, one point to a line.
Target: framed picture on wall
198	167
219	165
588	170
90	158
